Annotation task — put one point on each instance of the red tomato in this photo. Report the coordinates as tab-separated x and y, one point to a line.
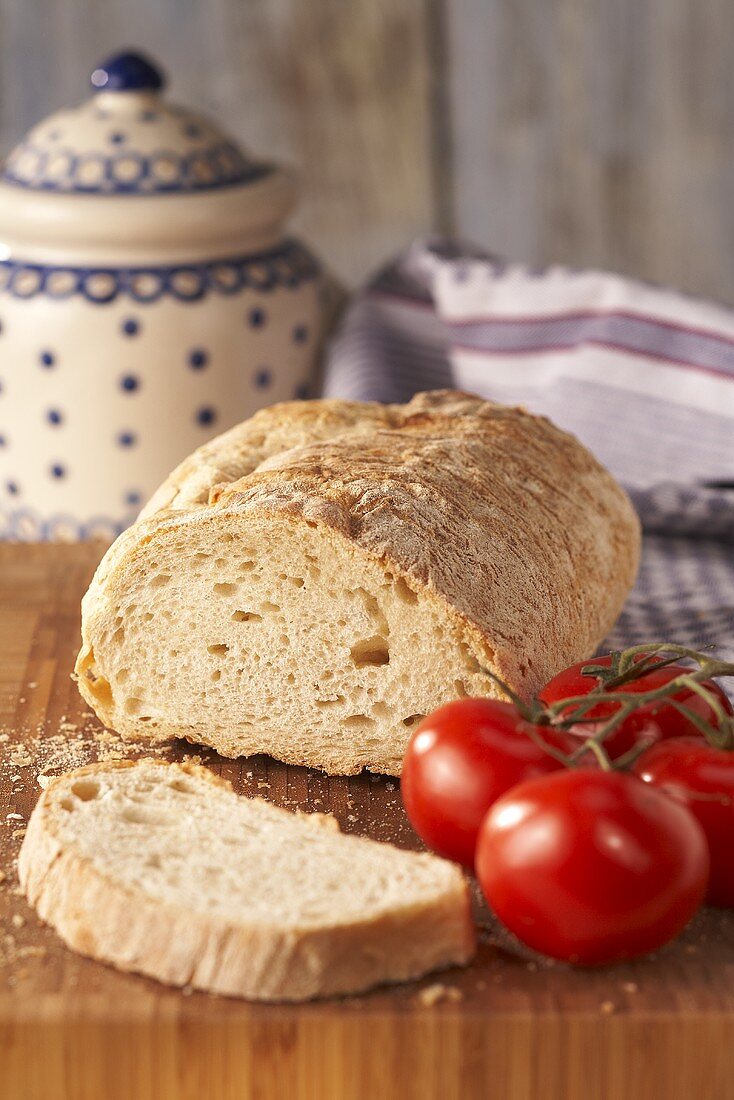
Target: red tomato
585	866
702	777
459	760
655	721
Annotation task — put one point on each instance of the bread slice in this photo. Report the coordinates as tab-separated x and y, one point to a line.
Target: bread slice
319	578
162	869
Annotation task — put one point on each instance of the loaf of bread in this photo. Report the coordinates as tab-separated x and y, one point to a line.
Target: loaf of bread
316	580
162	869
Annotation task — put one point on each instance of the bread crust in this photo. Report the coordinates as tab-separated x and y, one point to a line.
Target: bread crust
99	917
510	525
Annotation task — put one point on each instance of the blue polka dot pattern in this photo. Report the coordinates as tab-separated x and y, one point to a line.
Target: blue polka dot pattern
257	317
3	441
54	416
300	334
48	359
130	326
205	416
129	383
301	391
127	439
133	498
57	470
12	488
263	378
117	138
198	359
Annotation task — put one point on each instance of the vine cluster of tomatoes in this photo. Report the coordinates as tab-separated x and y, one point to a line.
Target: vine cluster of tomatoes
599	817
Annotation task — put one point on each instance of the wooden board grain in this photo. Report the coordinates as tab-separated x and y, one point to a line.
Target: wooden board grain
72	1029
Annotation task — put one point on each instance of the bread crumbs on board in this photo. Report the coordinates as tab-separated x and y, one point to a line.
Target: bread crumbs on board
437	993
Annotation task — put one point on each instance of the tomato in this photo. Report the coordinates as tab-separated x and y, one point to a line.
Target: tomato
654	721
463	757
585	866
703	777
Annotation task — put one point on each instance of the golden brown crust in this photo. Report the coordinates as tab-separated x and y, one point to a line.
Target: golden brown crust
507	519
524	539
98	916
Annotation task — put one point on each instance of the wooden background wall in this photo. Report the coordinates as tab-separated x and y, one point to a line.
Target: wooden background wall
584	131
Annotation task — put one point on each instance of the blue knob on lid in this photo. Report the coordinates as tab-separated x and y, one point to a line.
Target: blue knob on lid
127	72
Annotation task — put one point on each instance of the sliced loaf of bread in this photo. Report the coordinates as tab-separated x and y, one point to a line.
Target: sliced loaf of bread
162	869
314	582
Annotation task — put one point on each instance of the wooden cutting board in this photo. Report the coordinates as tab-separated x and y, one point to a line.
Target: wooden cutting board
506	1027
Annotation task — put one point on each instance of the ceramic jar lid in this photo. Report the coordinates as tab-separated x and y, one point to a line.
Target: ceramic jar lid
128	176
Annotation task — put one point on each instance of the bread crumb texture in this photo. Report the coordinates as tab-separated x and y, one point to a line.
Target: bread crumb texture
316	580
162	869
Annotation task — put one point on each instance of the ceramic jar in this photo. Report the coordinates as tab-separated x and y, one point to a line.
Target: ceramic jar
148	300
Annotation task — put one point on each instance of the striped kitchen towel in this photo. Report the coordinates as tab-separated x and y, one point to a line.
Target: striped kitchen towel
643	375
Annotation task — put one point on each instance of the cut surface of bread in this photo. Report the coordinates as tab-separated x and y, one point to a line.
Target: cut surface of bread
318	579
162	869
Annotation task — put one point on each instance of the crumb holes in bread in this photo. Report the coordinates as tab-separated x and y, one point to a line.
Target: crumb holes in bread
404	592
86	790
330	702
219	650
470	661
216	675
97	685
246	566
373	609
136	815
269	607
460	689
224	588
66	804
246	617
371	651
358	721
119	636
148	617
133	705
160	579
413	720
122	675
181	786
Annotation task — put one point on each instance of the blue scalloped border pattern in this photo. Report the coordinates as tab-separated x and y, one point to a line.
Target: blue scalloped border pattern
25	525
289	266
130	173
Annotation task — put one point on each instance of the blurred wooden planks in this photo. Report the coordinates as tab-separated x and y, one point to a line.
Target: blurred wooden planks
339	88
583	131
596	132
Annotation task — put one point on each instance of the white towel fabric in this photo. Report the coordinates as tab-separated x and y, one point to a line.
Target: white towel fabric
643	375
